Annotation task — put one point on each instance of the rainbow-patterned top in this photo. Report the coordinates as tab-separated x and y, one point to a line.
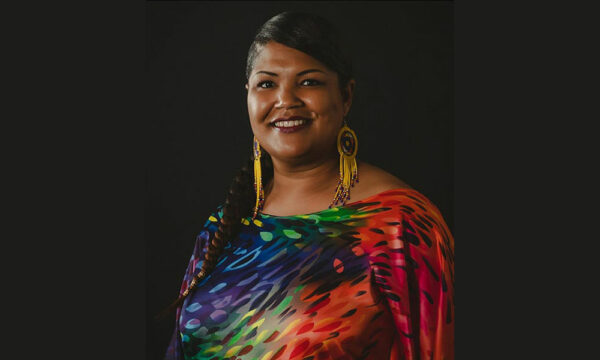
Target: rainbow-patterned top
373	279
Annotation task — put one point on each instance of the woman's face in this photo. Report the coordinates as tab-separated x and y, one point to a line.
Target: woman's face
285	83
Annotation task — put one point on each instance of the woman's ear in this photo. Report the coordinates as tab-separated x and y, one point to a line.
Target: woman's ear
347	95
246	86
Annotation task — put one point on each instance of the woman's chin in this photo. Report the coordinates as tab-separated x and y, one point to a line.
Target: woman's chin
291	153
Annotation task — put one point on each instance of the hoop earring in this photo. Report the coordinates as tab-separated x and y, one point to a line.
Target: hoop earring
258	188
347	144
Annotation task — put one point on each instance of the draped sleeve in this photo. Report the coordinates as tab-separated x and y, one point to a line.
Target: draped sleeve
174	350
414	271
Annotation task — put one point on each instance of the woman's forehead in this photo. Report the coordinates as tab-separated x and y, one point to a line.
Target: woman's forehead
277	58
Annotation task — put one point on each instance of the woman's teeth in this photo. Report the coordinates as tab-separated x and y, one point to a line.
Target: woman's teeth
290	123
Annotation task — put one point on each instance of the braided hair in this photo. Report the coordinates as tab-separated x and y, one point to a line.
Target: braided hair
239	203
305	32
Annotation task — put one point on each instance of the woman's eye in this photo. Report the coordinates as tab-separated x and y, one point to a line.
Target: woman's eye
265	84
310	82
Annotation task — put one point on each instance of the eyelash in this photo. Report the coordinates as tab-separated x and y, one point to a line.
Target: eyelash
315	82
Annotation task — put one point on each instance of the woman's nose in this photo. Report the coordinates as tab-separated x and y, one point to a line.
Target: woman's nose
287	98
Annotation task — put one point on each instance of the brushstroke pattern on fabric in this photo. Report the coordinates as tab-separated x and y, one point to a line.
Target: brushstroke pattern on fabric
373	279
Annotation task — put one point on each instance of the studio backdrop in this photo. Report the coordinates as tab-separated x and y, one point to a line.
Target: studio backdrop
198	133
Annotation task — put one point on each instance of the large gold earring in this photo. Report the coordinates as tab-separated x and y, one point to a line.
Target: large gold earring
258	188
347	144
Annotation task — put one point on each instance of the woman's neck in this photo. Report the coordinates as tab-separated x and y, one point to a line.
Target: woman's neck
296	184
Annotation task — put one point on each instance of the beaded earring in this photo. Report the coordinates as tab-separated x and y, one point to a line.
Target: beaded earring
258	187
347	144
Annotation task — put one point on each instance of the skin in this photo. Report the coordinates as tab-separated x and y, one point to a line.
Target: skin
306	162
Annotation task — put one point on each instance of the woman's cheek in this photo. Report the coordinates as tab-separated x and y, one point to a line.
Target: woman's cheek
252	109
321	102
258	106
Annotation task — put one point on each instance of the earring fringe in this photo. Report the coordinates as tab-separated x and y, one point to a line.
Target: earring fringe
258	188
347	145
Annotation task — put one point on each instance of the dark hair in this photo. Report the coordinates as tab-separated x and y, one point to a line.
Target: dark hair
312	35
308	33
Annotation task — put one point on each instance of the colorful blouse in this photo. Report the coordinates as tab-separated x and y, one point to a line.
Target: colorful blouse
373	279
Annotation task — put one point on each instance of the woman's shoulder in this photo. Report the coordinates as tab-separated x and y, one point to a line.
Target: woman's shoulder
212	221
418	215
374	180
380	183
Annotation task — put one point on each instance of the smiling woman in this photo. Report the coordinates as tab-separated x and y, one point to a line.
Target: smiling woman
280	271
296	107
291	85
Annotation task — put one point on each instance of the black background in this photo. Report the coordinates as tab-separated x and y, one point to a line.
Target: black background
199	132
75	131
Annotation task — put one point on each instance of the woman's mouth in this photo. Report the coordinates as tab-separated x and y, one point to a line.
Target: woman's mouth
287	126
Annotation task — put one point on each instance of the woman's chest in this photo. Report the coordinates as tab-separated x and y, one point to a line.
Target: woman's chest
287	295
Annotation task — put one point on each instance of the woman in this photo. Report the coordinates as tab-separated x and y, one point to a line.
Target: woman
288	267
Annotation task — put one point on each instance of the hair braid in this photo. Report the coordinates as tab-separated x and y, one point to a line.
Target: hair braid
238	204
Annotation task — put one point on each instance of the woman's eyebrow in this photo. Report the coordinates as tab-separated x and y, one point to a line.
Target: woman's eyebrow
298	74
309	71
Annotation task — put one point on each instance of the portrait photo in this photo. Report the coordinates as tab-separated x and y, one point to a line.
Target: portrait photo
299	167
